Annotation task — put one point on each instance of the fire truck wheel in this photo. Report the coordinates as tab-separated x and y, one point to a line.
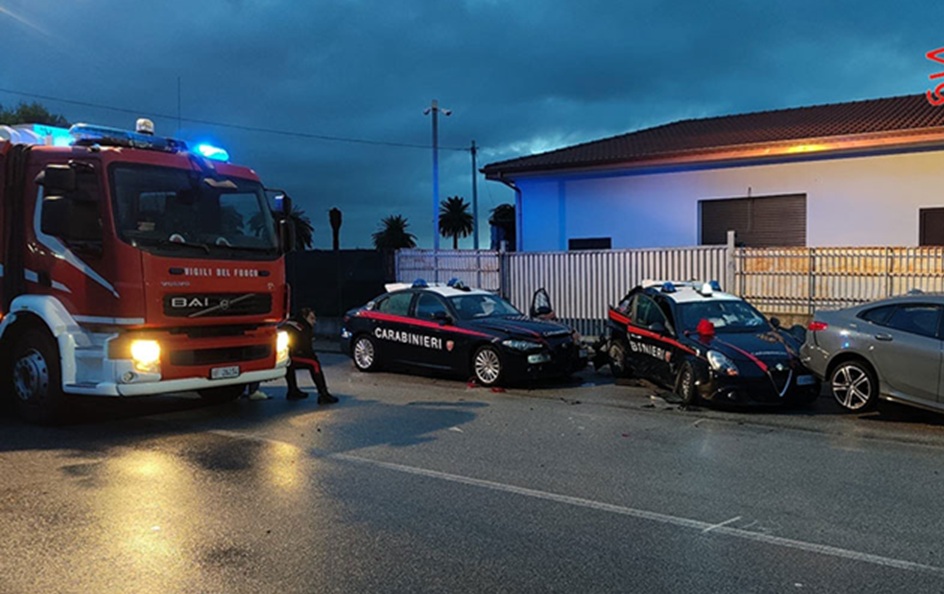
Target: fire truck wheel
37	386
222	394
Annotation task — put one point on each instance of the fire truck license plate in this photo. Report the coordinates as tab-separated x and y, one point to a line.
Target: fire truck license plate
224	372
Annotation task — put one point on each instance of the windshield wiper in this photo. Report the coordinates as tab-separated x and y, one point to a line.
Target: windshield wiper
167	242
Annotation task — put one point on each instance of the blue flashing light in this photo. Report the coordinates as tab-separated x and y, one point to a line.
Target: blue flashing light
668	287
85	135
54	135
212	152
420	284
715	285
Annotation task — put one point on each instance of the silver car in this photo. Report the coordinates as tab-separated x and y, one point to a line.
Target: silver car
890	349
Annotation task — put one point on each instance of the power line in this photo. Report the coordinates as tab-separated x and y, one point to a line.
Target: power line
233	126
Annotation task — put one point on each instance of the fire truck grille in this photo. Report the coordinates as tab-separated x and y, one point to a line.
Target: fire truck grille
217	356
210	305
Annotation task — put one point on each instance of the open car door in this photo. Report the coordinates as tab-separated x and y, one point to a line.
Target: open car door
541	307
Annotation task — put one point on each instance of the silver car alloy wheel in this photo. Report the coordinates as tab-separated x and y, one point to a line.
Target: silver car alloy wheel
852	386
364	353
487	366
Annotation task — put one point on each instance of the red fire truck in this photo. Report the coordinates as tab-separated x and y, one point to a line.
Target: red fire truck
134	265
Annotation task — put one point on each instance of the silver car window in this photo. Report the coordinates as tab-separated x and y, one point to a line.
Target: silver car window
918	318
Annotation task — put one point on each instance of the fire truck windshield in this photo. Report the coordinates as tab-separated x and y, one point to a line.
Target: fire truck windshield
169	211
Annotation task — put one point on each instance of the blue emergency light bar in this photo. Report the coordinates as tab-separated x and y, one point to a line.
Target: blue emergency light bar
87	135
212	152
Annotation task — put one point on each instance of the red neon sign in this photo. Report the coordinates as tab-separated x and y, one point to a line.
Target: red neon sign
936	97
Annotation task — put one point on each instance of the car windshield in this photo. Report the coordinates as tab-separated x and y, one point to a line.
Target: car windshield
482	305
726	315
168	210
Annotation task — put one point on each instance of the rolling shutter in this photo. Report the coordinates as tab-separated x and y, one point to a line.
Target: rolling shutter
766	221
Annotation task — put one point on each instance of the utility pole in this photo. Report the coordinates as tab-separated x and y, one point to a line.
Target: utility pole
434	110
475	202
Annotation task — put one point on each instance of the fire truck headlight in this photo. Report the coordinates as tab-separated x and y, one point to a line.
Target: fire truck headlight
146	355
281	347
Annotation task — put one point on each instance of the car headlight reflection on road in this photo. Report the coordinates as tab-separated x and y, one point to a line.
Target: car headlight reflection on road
281	347
721	363
146	355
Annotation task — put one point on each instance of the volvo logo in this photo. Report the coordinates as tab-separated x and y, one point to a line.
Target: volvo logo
224	304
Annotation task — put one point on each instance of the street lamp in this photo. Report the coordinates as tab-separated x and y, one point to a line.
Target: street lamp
435	110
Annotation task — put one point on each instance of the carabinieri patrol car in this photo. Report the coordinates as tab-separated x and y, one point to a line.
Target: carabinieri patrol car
706	344
469	332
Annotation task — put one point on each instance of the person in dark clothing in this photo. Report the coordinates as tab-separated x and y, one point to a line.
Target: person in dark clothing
301	330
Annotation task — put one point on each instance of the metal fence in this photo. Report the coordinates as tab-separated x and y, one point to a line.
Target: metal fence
790	283
798	281
481	268
581	284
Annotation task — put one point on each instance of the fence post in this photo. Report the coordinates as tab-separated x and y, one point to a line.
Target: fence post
888	271
811	302
729	261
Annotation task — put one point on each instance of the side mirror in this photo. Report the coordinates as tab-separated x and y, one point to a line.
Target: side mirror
287	235
442	317
658	328
775	322
60	177
57	212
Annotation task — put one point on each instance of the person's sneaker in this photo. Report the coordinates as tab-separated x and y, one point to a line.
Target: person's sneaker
296	395
327	399
258	395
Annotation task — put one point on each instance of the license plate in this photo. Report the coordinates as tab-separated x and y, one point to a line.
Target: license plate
224	372
805	380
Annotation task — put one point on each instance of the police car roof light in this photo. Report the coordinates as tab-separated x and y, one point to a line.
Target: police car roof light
668	287
88	135
420	284
706	289
715	285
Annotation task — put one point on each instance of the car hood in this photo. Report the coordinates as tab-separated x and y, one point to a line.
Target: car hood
518	326
768	347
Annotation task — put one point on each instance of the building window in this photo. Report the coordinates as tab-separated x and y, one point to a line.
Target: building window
590	243
763	221
931	226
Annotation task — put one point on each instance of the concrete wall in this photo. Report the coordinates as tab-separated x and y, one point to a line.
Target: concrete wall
856	201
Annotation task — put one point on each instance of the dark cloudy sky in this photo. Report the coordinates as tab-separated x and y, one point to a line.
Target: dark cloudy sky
519	76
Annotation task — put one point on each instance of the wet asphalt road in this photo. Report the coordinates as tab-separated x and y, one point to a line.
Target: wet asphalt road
417	484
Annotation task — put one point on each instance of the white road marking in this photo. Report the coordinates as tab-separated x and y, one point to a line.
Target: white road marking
725	523
641	514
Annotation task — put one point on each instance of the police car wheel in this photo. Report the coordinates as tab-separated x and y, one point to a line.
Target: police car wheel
364	354
617	354
685	385
487	366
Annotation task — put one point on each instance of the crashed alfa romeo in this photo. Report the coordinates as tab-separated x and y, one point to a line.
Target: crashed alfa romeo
466	332
706	345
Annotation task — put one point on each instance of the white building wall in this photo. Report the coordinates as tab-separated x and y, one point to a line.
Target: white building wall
858	201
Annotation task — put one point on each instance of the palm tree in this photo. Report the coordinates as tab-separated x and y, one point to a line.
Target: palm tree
393	234
304	231
455	220
503	222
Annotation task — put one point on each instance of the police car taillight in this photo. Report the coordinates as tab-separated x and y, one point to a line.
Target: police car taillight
816	326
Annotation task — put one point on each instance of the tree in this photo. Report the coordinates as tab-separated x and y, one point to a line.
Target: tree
455	220
335	217
502	221
304	231
393	234
31	113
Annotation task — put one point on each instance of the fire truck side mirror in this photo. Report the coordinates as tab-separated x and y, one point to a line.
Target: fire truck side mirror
58	177
287	234
57	212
